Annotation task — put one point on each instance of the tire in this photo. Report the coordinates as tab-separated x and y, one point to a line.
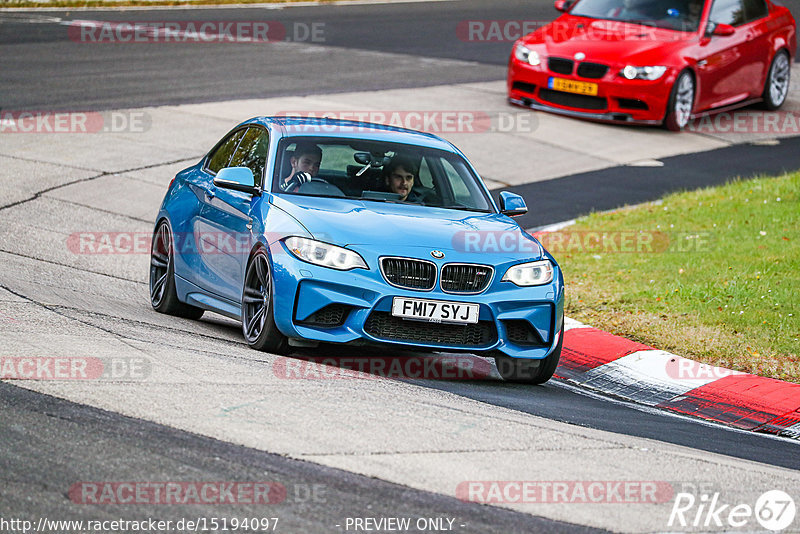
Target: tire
163	296
681	103
776	87
258	322
522	371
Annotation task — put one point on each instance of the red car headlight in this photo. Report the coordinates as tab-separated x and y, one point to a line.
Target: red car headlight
526	55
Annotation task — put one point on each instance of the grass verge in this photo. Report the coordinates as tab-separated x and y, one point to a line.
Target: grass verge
713	274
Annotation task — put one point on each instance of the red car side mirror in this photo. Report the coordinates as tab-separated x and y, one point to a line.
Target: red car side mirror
723	30
563	5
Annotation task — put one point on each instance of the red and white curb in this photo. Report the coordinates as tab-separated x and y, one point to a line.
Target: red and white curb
629	370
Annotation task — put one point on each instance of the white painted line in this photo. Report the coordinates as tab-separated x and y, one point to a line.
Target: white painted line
569	324
580	390
555	227
646	163
792	431
275	5
649	377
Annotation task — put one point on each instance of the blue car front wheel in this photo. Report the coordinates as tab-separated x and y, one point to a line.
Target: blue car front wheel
258	323
523	371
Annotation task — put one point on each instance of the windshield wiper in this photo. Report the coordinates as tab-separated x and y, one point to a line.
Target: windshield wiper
376	199
463	208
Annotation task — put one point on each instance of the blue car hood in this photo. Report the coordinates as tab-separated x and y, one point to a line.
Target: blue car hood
393	226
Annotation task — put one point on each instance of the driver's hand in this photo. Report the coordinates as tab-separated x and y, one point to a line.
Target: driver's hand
299	178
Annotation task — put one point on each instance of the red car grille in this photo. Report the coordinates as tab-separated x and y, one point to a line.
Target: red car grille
524	87
560	65
592	70
572	100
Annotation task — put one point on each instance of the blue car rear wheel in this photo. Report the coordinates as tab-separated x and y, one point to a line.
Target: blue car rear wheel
163	296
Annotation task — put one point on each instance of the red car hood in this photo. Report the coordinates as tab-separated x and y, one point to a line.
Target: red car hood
607	41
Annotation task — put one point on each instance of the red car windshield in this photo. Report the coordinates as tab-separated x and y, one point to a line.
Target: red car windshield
680	15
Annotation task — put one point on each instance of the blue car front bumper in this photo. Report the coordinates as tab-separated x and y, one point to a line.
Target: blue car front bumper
321	304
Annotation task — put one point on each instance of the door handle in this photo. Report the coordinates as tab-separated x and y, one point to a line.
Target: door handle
209	194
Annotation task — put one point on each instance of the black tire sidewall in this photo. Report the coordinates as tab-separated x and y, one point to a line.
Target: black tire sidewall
670	119
767	95
270	339
517	366
170	304
170	297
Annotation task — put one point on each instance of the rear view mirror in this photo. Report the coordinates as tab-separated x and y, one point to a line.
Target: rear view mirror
724	30
376	160
362	157
719	29
563	5
236	178
512	204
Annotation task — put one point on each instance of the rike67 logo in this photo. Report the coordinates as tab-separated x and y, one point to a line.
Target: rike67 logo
773	510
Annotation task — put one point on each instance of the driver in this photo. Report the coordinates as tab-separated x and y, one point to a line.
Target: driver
399	175
305	162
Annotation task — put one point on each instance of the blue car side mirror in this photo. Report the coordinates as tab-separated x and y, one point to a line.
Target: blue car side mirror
512	204
236	178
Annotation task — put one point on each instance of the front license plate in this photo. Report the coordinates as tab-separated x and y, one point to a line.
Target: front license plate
571	86
435	311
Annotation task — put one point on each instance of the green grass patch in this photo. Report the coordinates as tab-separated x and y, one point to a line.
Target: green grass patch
712	274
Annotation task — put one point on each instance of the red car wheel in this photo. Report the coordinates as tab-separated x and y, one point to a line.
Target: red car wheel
777	85
681	102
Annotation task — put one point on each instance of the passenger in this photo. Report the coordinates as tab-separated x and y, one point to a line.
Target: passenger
305	162
400	175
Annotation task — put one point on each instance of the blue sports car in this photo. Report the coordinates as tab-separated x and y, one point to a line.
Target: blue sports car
314	230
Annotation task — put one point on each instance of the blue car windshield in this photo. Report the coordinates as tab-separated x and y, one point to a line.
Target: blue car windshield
377	171
680	15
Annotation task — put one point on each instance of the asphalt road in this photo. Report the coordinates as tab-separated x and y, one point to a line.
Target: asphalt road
615	187
49	445
213	409
329	49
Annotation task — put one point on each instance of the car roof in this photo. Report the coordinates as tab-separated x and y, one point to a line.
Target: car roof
346	129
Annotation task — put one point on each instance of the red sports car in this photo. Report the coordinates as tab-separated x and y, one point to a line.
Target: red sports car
655	61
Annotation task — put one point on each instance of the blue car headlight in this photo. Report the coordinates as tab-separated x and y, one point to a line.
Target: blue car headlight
324	254
534	273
